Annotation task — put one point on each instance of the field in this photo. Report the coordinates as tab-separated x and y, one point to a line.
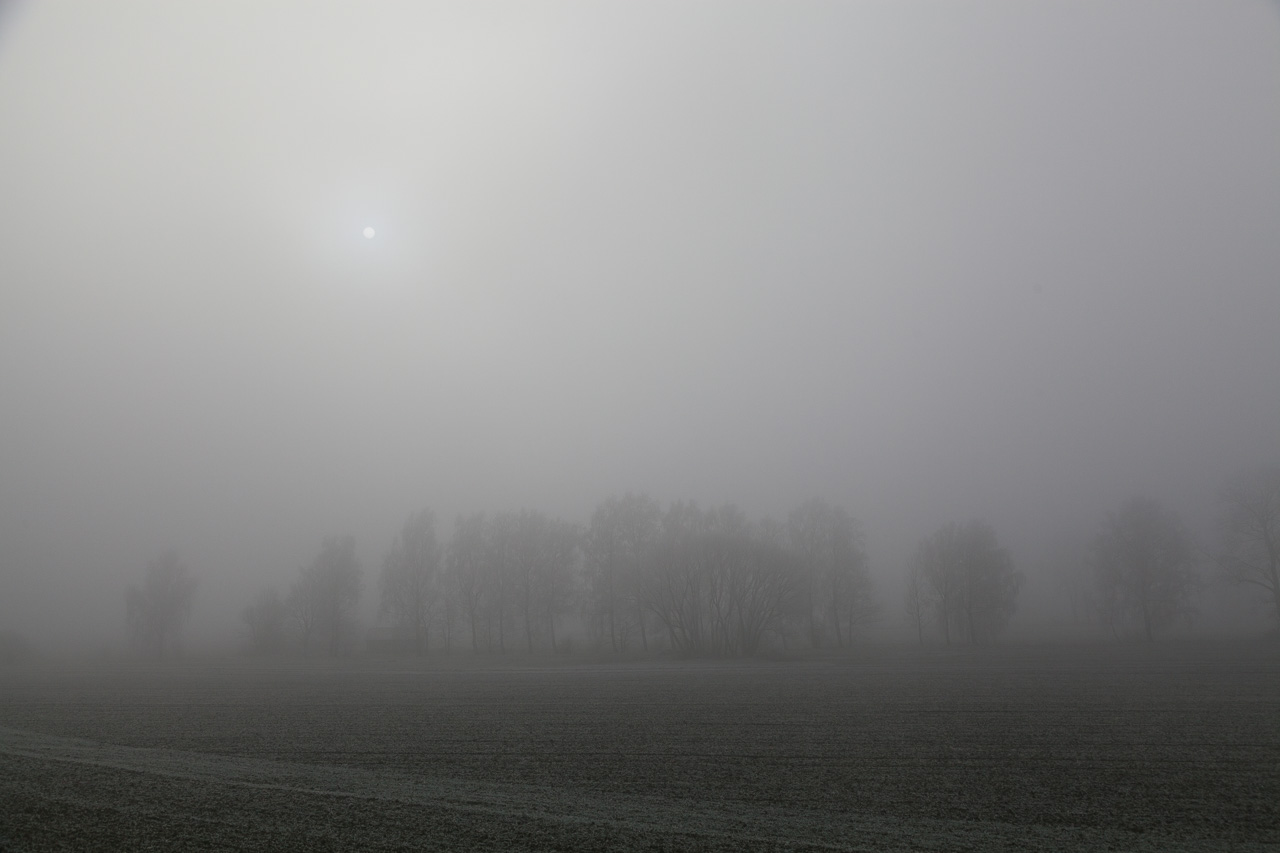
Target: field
1170	747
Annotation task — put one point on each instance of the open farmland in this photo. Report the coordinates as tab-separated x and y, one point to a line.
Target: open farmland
1134	748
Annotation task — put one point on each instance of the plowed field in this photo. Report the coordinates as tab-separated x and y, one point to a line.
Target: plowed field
1164	748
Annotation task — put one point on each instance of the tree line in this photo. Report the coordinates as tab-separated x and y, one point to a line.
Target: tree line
1140	572
697	582
635	577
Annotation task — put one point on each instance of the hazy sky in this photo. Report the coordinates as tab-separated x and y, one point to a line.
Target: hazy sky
931	260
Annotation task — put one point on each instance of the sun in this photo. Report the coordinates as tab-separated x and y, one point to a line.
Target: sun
368	233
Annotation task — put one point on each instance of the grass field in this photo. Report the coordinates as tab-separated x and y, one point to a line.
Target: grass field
1170	747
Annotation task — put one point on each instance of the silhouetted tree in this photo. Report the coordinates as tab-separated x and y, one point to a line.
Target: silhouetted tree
915	599
544	557
1250	528
266	618
933	563
325	594
837	584
465	570
449	608
557	572
500	565
1145	566
530	542
1068	566
970	581
620	533
303	604
157	610
410	579
718	584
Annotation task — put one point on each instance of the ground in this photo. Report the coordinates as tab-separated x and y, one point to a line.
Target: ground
1168	747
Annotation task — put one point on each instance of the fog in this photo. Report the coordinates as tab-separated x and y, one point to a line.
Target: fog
932	262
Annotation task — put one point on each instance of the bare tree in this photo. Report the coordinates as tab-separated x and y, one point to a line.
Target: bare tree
466	576
410	579
838	586
1069	568
915	599
325	594
500	569
303	604
970	581
934	564
266	618
620	533
449	607
1145	566
530	534
1250	528
157	609
542	559
557	573
718	584
764	587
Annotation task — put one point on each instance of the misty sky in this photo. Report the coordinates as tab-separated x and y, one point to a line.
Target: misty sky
933	261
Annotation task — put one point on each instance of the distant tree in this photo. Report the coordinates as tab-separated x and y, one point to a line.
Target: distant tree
410	579
619	535
1069	568
1145	563
543	559
915	599
324	596
304	605
530	542
829	543
449	608
500	566
266	618
970	581
935	564
465	572
719	584
671	580
557	574
158	608
1250	529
